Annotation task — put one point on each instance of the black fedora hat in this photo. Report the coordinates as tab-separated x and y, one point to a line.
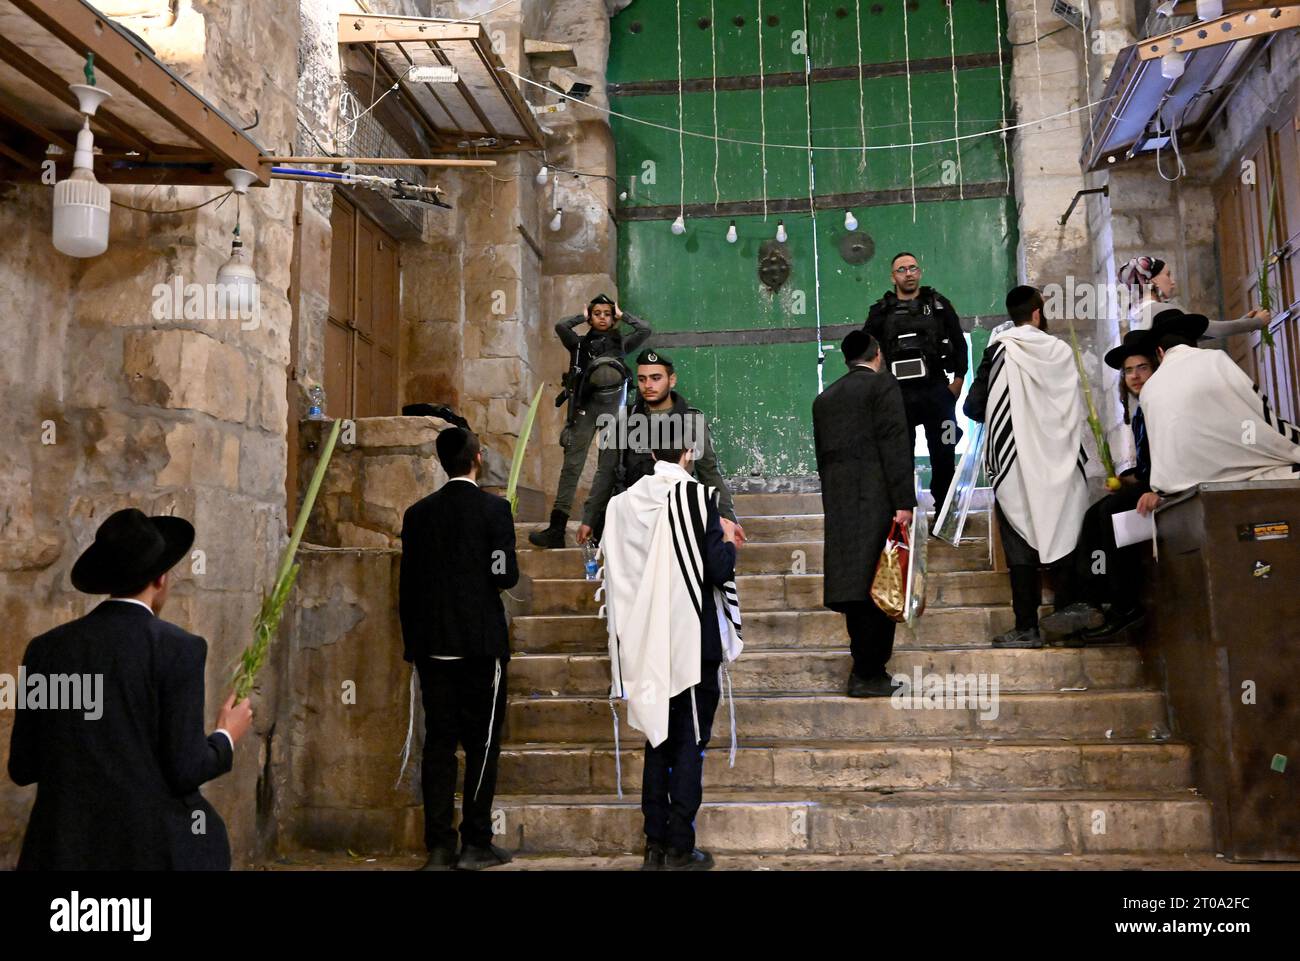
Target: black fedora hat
1134	342
129	551
1175	321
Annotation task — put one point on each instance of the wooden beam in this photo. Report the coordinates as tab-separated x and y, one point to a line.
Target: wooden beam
506	84
49	136
1211	33
107	122
384	161
372	28
83	29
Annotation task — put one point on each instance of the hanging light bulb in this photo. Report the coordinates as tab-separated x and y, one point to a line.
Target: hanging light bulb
850	221
1172	65
1209	9
543	174
239	281
82	203
679	225
781	235
731	233
557	221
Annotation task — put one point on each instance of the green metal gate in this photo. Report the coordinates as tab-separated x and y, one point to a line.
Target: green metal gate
746	356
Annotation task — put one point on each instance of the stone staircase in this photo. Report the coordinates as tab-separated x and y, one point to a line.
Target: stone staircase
1077	760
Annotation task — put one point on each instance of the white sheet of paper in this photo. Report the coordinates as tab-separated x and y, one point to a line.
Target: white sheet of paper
1132	528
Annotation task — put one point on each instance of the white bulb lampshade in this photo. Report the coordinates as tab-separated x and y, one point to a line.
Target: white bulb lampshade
81	204
558	220
542	175
850	221
1172	65
781	235
679	225
731	233
1209	9
239	280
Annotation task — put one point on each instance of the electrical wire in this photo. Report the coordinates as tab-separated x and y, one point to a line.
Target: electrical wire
176	210
956	128
1002	89
911	150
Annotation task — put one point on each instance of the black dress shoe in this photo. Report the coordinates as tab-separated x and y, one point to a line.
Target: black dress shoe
1029	637
440	859
881	685
655	855
475	858
1069	621
552	536
695	860
1116	621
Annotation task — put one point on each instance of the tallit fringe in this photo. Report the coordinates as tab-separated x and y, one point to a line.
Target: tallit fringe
487	751
410	732
731	704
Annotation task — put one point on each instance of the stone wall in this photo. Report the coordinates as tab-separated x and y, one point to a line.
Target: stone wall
107	407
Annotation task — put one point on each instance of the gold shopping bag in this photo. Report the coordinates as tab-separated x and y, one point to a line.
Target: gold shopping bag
889	586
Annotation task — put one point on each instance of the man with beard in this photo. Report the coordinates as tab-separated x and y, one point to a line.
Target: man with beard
1027	390
864	460
921	338
626	445
594	386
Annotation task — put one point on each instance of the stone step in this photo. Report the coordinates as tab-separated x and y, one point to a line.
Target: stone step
880	766
869	823
1090	715
940	627
795	671
766	505
785	592
760	559
772	529
1173	861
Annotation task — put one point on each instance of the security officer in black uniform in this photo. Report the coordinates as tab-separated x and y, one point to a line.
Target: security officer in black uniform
625	450
921	337
596	384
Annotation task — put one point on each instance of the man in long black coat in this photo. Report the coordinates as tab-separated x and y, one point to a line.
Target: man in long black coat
864	458
458	554
118	780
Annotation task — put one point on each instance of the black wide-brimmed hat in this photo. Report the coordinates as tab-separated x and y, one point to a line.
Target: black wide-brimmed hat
1175	321
1134	342
130	550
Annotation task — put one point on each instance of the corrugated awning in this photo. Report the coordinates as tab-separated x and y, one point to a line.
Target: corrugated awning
156	129
482	110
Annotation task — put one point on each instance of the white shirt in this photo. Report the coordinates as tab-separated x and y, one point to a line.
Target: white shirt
133	600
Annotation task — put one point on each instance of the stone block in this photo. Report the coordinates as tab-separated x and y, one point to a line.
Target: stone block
187	370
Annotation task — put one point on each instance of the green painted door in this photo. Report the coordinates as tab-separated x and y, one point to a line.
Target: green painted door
753	359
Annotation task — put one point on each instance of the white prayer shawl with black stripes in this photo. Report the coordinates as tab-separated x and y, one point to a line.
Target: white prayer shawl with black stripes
653	585
1034	449
1208	422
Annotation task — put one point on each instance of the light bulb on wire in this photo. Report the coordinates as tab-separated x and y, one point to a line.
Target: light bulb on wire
731	233
1209	9
850	221
82	203
679	225
543	174
558	220
781	235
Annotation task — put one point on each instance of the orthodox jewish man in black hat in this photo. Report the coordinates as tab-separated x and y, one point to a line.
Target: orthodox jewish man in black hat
1111	576
458	554
117	775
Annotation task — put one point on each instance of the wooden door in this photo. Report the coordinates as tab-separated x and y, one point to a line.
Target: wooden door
361	353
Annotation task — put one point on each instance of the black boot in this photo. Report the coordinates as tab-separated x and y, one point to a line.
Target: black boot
552	536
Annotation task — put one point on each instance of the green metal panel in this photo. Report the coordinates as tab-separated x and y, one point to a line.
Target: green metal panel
759	396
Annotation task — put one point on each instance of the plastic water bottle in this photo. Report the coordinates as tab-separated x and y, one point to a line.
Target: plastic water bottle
589	560
316	410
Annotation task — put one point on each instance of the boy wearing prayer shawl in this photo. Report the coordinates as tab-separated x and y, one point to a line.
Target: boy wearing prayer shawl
1028	388
673	618
1207	421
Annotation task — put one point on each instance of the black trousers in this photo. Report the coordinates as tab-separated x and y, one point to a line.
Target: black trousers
871	636
672	783
1109	574
1026	584
932	406
458	707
